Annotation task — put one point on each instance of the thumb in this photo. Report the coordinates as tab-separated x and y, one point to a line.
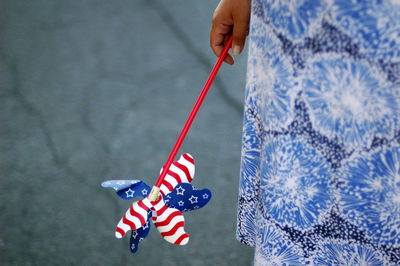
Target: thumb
239	36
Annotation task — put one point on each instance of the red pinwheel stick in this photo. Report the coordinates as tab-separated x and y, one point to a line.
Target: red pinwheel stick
154	194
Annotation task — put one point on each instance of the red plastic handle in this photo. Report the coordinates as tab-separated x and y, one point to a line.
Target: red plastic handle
194	111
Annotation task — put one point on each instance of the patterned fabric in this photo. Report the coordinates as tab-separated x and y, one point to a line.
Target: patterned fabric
320	172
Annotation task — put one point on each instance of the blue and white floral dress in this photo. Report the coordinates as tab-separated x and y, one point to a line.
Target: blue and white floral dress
320	173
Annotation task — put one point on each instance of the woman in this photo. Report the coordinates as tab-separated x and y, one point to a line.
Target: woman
320	173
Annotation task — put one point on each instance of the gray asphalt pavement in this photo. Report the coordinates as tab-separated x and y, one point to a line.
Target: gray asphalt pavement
94	90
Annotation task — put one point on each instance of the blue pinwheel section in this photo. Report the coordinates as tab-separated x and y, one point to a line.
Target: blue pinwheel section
139	234
185	197
128	189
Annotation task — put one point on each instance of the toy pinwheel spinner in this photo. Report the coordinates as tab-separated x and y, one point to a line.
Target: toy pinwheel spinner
177	196
172	194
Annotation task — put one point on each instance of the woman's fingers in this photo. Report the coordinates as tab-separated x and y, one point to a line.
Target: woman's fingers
231	17
218	36
221	27
240	29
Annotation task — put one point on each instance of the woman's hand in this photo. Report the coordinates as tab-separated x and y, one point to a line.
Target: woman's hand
230	17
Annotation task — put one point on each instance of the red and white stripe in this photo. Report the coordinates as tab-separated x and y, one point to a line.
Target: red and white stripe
170	223
181	171
134	218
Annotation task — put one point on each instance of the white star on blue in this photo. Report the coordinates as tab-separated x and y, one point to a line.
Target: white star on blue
193	199
129	193
180	190
146	225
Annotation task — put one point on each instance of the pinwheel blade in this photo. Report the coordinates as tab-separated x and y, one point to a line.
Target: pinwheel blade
134	218
185	197
128	189
170	223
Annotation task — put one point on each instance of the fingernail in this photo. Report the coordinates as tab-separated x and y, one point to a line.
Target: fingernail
236	49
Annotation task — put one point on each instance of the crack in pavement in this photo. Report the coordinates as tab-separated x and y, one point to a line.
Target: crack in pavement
31	110
188	44
87	122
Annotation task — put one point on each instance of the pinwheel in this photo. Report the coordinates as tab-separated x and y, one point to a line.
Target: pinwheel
170	195
178	196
